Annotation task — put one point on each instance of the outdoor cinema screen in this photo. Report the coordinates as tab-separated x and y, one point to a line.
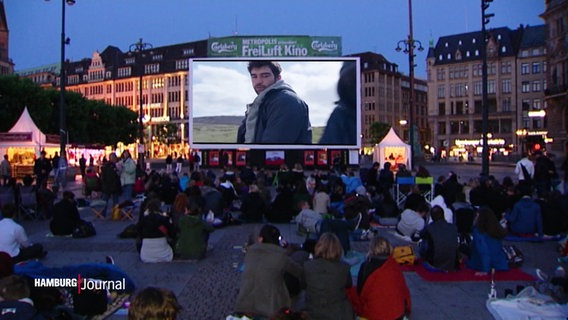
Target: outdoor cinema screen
314	103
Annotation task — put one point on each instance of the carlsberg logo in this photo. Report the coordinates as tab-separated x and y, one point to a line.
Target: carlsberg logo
324	46
218	47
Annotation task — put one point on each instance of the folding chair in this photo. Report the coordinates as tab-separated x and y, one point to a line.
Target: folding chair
98	208
428	181
400	196
28	203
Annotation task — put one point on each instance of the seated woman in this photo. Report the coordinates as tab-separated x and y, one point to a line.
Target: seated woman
381	289
326	279
263	290
487	244
193	234
65	216
155	228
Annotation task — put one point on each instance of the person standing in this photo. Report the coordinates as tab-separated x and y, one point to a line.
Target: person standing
110	181
277	115
179	164
83	165
524	169
169	162
55	165
42	168
127	168
6	170
196	160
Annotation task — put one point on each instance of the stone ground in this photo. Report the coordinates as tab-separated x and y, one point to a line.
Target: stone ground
207	289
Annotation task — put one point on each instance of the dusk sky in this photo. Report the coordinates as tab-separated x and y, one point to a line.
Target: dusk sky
364	25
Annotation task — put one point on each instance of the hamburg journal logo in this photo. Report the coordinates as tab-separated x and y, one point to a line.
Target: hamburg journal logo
81	283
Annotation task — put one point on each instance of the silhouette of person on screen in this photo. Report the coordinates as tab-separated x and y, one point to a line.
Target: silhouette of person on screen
341	128
277	115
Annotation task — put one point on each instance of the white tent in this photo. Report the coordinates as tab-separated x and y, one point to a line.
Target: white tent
392	149
25	134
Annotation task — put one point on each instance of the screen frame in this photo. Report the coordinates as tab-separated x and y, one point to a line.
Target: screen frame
246	146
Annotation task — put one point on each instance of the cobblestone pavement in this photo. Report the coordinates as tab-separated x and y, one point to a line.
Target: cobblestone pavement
207	289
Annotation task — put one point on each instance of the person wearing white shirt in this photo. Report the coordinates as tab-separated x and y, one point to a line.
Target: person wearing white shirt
525	179
14	240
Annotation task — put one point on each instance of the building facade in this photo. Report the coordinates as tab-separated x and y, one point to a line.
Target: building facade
6	64
555	18
385	99
454	71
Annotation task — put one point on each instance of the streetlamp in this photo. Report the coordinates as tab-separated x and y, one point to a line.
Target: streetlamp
136	49
62	78
484	109
409	45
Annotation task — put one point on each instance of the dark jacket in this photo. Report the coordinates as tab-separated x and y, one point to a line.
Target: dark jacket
110	180
65	218
263	290
525	218
441	245
192	237
283	118
341	128
326	282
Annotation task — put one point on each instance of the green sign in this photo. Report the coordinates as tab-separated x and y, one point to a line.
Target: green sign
274	46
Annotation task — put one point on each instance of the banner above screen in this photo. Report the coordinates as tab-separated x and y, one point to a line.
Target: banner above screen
308	103
274	46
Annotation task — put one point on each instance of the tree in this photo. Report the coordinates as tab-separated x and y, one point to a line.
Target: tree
86	121
378	130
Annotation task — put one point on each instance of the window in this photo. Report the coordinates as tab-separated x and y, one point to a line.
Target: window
464	127
152	68
454	127
459	107
526	105
441	127
506	106
477	107
477	88
129	60
476	70
490	86
506	67
536	104
491	68
442	109
124	72
441	74
536	86
536	67
182	64
506	86
441	92
525	87
525	68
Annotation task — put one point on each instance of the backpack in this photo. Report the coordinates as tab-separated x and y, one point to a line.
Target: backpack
85	229
403	255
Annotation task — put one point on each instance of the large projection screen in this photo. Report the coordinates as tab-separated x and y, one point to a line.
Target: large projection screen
221	88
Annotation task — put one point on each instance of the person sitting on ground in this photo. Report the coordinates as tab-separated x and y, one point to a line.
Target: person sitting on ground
525	219
487	244
439	246
65	216
326	279
193	234
154	304
412	220
308	220
382	292
440	202
263	290
253	207
155	228
14	240
321	200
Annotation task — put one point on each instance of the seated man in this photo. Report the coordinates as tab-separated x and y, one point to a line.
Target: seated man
14	240
525	218
412	221
65	216
308	220
15	302
439	245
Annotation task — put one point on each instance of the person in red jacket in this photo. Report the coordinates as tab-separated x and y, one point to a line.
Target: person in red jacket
381	289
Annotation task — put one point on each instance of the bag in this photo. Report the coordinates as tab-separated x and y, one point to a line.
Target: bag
403	255
115	213
514	256
85	229
130	232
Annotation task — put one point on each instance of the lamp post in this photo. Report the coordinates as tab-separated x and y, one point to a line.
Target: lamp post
136	49
62	78
409	45
484	107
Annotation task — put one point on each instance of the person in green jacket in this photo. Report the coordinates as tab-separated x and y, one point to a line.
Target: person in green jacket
193	234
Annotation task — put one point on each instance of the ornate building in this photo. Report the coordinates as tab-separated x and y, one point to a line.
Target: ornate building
6	64
455	90
555	18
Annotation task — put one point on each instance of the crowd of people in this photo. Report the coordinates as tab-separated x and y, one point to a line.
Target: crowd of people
181	209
